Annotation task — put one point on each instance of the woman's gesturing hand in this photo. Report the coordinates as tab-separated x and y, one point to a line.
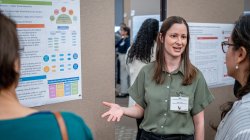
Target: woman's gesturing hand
115	112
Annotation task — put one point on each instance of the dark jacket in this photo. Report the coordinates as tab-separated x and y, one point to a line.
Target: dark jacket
123	45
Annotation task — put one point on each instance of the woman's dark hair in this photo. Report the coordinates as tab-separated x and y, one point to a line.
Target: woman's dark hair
126	29
142	48
241	38
9	47
189	69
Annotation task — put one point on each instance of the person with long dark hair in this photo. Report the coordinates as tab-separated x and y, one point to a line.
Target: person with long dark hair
236	88
170	93
235	124
141	53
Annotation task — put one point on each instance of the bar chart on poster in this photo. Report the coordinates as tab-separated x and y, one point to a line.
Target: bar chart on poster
49	36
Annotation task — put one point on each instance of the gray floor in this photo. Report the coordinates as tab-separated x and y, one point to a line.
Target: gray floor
126	128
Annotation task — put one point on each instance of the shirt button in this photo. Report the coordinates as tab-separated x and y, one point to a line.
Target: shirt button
169	75
167	86
166	100
162	126
165	114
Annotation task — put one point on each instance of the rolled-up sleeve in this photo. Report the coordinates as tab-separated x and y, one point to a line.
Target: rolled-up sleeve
202	96
137	90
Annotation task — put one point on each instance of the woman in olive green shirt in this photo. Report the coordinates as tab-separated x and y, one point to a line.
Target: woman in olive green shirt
170	93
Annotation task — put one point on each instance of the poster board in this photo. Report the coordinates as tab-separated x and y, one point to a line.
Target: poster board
49	36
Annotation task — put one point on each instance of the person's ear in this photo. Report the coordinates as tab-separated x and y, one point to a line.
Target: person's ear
242	54
17	65
161	38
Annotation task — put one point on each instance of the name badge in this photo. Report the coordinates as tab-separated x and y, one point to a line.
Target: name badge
179	104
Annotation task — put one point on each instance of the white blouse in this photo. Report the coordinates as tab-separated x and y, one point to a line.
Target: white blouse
135	67
236	124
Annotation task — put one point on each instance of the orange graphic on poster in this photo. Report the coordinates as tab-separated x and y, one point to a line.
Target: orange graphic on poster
46	69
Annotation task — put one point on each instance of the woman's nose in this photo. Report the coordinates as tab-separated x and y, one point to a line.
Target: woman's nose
178	40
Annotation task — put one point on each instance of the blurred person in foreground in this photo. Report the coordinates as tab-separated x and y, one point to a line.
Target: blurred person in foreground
235	124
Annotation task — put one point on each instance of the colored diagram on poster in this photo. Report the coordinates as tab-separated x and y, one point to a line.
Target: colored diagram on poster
63	16
61	63
63	87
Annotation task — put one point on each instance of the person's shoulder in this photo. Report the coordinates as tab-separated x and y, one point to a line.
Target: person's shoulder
147	70
127	39
244	107
71	117
67	116
79	128
199	74
148	67
241	115
241	123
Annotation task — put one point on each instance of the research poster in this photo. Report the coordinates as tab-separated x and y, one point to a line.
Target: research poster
49	35
206	52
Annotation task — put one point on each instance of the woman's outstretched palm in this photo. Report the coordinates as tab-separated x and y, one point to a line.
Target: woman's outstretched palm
115	112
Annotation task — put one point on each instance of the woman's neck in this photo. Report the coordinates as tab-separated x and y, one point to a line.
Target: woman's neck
172	64
8	95
241	74
10	107
242	77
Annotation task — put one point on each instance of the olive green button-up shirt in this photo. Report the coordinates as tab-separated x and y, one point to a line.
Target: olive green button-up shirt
155	99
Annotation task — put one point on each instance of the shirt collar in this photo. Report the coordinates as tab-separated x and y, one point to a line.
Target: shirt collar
180	69
246	98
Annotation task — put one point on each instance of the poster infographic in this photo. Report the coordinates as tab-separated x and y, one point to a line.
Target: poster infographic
49	35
